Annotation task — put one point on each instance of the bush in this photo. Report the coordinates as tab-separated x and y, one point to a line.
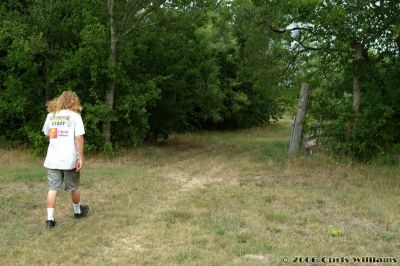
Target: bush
362	137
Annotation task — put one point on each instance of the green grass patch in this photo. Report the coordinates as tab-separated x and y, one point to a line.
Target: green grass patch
33	172
276	151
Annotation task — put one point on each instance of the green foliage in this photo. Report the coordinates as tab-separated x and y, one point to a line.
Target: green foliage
202	65
108	149
187	67
39	142
366	139
132	110
374	132
333	43
92	116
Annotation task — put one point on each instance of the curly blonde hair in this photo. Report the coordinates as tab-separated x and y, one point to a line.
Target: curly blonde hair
67	100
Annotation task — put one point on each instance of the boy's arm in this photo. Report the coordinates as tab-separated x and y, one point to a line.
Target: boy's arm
79	148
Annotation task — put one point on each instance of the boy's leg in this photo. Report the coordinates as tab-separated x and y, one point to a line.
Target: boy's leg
72	181
76	201
51	198
51	203
76	196
55	178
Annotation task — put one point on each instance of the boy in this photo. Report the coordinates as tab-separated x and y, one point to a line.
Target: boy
64	160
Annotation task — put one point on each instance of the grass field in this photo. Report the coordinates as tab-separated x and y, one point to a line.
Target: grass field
219	198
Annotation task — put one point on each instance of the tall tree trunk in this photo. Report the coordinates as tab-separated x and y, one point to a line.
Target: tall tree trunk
359	49
297	130
356	95
110	93
47	71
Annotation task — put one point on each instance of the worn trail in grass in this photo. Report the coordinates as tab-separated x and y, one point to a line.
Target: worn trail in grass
219	198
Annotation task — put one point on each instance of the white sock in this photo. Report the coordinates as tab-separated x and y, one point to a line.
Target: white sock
50	214
77	208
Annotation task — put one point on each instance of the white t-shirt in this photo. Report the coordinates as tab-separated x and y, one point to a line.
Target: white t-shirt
62	128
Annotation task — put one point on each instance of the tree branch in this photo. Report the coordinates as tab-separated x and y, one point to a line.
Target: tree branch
298	28
143	15
308	47
135	6
292	62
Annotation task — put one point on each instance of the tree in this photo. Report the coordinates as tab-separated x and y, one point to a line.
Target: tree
124	17
334	44
339	28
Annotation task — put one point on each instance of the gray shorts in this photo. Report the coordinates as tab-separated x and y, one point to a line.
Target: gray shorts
56	178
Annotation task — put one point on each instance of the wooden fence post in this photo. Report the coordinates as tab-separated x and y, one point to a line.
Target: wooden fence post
297	126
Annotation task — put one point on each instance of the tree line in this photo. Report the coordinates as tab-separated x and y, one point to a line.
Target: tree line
144	69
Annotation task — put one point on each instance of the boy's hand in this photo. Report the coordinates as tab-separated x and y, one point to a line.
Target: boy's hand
79	164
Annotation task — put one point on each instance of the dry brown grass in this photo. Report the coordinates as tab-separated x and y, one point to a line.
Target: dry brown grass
231	198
